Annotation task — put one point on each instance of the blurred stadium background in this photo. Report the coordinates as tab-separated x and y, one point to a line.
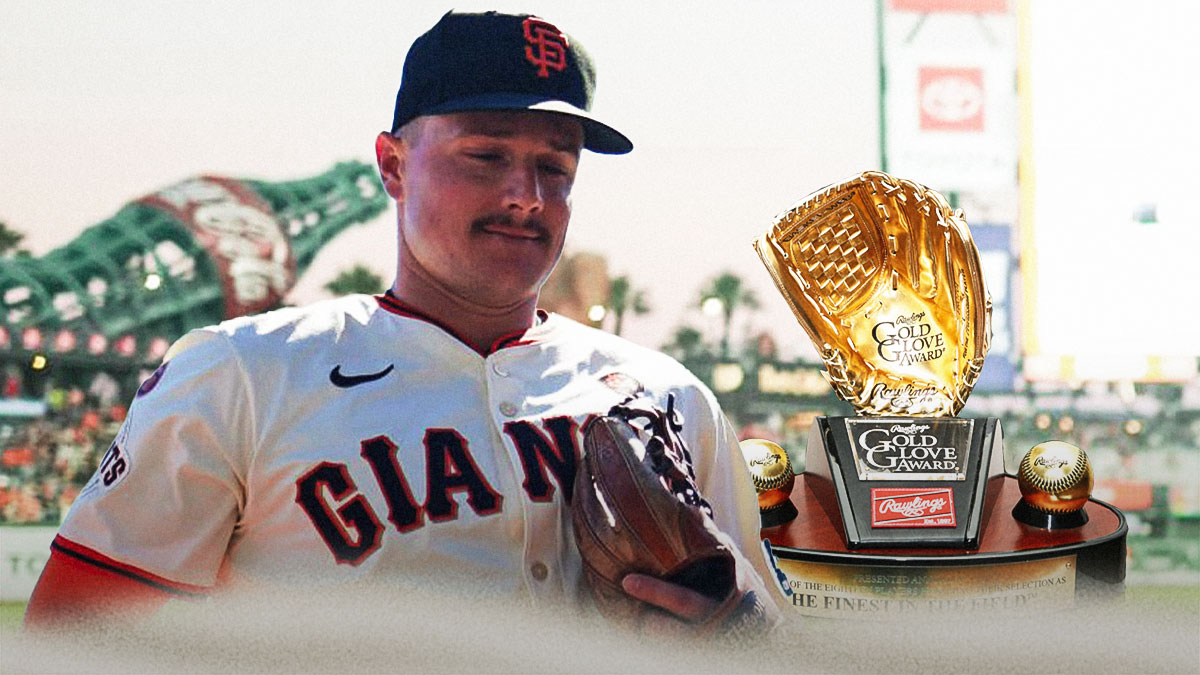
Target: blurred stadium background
1068	163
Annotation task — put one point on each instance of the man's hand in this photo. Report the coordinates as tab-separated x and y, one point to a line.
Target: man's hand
684	608
680	601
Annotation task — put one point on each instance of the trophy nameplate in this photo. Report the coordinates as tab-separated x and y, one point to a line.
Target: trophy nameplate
895	486
903	448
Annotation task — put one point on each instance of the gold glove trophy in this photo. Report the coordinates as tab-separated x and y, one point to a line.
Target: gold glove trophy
885	278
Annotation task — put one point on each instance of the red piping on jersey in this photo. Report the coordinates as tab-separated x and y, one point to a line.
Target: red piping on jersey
80	552
515	339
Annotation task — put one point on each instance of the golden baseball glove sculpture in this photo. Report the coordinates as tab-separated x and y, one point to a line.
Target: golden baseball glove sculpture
885	278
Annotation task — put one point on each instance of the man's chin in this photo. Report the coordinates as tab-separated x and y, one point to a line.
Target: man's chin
493	296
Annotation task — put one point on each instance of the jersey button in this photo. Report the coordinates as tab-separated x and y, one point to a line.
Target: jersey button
498	370
539	571
508	409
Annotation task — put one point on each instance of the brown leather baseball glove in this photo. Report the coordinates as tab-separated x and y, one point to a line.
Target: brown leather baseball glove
636	509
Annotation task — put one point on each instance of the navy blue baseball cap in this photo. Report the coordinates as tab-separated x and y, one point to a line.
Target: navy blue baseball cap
494	61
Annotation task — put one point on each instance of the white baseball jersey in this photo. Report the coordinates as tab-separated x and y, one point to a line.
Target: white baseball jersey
353	440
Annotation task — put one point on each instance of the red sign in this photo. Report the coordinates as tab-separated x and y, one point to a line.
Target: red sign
1125	494
951	99
17	457
12	385
912	507
967	6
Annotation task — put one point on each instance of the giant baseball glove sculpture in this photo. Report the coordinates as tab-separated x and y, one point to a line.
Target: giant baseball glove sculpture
885	278
636	508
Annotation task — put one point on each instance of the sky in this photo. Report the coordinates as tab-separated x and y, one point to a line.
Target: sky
1114	135
736	110
735	114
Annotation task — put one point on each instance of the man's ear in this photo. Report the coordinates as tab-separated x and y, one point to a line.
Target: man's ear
389	155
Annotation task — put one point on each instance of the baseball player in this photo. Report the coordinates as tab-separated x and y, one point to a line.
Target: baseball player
432	430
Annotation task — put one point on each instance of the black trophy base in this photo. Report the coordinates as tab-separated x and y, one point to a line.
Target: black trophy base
1027	514
906	482
778	515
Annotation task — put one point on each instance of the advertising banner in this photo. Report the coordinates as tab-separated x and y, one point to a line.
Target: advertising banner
23	553
950	101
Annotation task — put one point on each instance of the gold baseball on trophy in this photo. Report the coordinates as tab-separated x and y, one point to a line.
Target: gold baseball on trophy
773	479
1055	477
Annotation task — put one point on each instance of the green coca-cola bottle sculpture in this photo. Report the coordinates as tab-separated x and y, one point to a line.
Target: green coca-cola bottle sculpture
200	251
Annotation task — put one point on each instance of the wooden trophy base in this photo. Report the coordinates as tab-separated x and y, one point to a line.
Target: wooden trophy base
1016	567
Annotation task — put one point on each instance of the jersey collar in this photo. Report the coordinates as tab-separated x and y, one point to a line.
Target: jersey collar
391	303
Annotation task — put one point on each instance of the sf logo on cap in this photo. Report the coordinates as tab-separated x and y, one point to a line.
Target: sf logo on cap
547	46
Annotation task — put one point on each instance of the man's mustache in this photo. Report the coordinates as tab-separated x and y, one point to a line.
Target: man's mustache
532	224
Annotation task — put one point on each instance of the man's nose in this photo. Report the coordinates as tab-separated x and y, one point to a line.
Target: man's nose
524	189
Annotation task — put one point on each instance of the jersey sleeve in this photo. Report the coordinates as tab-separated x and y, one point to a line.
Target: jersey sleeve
724	480
167	494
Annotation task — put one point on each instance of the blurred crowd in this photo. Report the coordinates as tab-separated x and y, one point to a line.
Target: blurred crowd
44	462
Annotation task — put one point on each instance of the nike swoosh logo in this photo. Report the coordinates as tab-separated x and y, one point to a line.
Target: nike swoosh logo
347	381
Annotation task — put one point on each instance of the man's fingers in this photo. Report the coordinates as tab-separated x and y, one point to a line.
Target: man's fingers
682	602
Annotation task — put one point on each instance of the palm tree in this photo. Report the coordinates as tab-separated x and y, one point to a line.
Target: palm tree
9	238
622	297
357	279
729	290
687	344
